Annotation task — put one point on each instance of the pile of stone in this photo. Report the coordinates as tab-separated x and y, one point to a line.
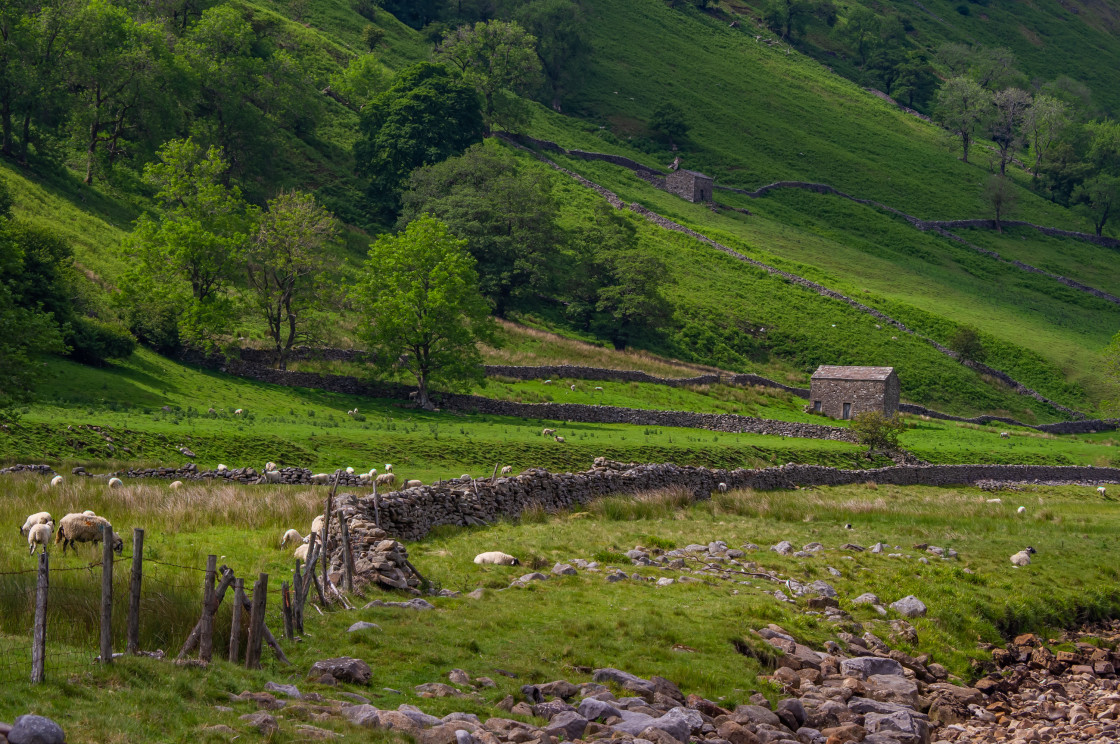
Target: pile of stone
378	559
41	469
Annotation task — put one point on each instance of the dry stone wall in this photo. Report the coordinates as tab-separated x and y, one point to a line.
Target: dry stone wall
413	513
576	372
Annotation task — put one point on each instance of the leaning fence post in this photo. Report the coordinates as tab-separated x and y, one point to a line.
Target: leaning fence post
206	632
235	629
298	591
107	594
286	607
134	590
39	640
256	623
347	556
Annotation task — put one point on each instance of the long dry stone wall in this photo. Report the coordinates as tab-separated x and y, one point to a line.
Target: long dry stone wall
577	372
668	224
411	514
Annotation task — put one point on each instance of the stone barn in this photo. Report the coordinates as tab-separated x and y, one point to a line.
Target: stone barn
842	392
689	185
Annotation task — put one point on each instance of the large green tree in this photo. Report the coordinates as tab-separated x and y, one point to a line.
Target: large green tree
427	115
1005	127
284	262
496	57
421	309
1043	123
505	212
962	106
562	44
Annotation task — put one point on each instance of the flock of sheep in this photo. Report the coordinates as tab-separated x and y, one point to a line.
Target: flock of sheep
72	529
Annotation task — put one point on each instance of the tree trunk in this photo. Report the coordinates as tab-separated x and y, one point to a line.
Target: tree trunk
6	122
25	140
91	150
965	142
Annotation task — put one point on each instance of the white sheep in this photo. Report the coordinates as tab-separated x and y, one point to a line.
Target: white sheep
39	534
273	476
269	467
547	382
995	501
76	528
301	552
89	513
722	487
413	483
317	524
573	387
466	477
1021	510
388	467
1023	557
238	412
291	536
176	485
1004	435
56	481
561	440
385	479
34	519
547	432
496	558
507	470
221	468
115	483
1100	490
349	470
320	479
599	389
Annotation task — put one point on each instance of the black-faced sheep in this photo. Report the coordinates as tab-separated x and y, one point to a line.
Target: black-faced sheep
1023	557
388	468
77	528
34	519
496	558
39	534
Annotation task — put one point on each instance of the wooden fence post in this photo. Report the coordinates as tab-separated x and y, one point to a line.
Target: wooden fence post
39	640
286	607
326	561
256	623
297	607
235	629
134	591
206	632
107	539
347	556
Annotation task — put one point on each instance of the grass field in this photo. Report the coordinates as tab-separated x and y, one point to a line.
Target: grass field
533	632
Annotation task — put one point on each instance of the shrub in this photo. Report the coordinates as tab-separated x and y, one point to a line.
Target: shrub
93	341
877	431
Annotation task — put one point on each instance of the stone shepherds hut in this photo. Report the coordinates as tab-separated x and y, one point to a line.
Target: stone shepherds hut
689	185
842	392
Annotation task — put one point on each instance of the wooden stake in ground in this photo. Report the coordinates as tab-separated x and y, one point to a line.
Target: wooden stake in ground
107	595
134	580
218	595
297	605
269	639
256	623
235	628
206	622
347	555
39	637
286	606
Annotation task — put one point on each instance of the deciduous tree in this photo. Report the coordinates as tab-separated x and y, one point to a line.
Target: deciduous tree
877	431
962	106
421	308
999	193
494	57
1044	123
966	342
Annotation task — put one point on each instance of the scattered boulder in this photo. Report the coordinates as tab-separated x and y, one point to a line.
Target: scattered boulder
343	669
262	722
909	606
32	729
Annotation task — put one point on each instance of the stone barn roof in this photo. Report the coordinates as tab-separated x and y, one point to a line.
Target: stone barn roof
832	372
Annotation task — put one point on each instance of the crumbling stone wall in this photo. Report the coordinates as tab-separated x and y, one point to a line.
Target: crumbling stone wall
576	372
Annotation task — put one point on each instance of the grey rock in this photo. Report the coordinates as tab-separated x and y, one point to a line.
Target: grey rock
617	576
418	716
452	717
633	723
902	726
535	576
862	706
909	606
362	715
813	547
823	588
262	722
878	547
782	548
625	680
561	688
794	706
564	569
532	693
569	724
343	669
290	690
717	546
551	709
412	604
476	594
756	714
665	581
834	571
464	737
458	677
866	666
362	625
867	598
593	709
359	699
691	718
36	730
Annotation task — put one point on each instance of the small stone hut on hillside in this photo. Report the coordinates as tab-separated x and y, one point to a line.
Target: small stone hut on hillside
843	392
690	185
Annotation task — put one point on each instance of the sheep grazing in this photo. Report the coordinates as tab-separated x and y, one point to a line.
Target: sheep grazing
238	412
413	483
496	558
115	483
176	485
599	389
1021	510
291	536
507	470
317	524
388	468
77	528
269	467
273	476
34	519
547	382
385	479
561	440
1023	557
56	481
39	534
548	432
466	477
573	388
1100	490
722	488
301	552
320	479
1004	435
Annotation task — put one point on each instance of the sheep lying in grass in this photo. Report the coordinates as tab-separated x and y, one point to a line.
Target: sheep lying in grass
56	481
39	534
76	528
496	558
561	440
507	470
238	412
1023	557
1021	510
176	485
115	483
34	519
291	536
